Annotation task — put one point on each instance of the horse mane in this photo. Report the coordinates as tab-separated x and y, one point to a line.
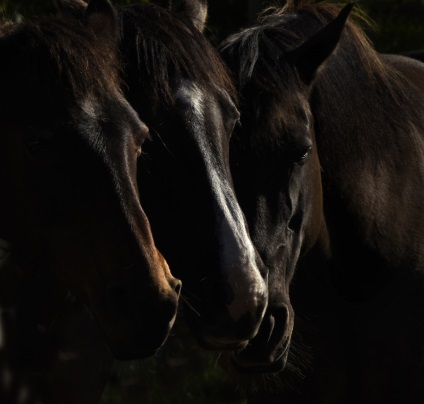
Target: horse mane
160	46
278	31
355	75
57	54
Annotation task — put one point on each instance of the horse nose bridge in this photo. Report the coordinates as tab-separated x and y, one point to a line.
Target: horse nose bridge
246	275
148	263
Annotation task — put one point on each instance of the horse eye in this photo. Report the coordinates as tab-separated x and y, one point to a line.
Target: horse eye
303	155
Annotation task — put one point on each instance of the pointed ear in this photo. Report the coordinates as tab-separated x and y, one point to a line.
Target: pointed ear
309	56
102	18
71	8
194	10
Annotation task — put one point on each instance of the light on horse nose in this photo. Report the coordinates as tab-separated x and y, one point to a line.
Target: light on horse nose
177	286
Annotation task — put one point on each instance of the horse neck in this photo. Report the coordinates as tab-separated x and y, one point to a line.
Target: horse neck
367	125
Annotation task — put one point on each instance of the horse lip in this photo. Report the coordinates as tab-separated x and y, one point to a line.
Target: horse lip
224	346
209	342
206	336
268	351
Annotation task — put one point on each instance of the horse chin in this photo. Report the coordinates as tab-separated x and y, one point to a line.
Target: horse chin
267	352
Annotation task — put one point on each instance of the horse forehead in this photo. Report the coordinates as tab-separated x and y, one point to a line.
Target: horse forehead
114	109
200	102
191	97
91	107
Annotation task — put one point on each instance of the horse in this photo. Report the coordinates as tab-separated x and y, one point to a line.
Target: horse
273	164
77	249
328	168
177	82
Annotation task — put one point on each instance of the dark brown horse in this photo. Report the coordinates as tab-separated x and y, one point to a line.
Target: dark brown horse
80	246
328	167
276	167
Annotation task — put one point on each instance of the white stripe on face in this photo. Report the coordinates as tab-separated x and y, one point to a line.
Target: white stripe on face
238	257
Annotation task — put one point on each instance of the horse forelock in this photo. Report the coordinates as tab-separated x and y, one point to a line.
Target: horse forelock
269	86
164	49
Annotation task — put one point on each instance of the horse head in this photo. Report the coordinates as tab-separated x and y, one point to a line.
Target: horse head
276	167
68	167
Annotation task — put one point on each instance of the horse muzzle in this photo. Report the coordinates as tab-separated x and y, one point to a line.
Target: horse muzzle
217	330
267	352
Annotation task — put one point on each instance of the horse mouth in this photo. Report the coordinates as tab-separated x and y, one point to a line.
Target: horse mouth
212	344
267	352
213	338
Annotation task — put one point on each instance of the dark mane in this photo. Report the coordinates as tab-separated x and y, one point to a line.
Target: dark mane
165	46
256	54
54	51
279	30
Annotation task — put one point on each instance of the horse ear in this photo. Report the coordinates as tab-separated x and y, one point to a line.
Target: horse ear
102	18
194	10
71	8
312	53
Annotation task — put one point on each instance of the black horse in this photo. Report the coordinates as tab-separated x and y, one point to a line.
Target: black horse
76	246
177	82
328	167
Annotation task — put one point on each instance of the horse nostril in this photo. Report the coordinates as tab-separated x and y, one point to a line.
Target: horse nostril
177	286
